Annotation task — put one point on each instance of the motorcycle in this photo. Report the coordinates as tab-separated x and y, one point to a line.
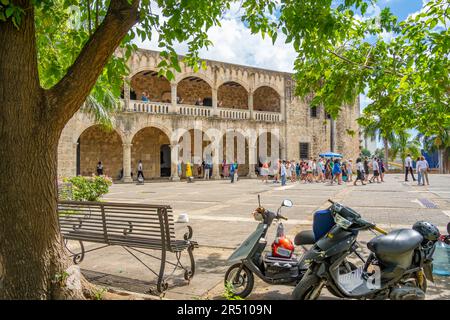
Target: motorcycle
249	258
398	266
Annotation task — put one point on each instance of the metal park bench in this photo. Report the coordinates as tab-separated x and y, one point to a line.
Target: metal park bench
131	226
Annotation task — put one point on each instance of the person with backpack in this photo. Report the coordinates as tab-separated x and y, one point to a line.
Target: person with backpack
359	172
99	168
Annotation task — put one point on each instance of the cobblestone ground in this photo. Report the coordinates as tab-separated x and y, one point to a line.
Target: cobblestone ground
220	214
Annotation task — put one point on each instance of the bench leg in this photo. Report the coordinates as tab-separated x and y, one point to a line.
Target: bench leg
77	257
162	285
189	273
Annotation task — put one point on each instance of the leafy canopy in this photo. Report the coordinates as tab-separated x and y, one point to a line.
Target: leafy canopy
341	51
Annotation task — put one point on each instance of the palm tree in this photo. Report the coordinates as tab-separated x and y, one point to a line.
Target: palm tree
402	145
441	143
374	129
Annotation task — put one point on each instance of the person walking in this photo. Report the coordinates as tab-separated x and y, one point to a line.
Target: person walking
283	173
189	172
376	171
293	171
99	168
420	168
298	171
350	170
366	169
359	172
140	172
337	172
264	172
233	174
320	170
382	169
427	169
207	170
409	168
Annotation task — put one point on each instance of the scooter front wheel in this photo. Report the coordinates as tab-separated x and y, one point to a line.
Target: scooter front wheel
240	285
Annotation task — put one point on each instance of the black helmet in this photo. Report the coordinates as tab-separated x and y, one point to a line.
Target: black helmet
428	230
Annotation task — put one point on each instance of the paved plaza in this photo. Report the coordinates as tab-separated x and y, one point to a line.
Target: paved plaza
220	214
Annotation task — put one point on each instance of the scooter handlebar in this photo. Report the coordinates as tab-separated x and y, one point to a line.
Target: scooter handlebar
282	217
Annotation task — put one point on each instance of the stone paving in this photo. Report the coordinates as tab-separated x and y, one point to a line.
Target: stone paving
220	214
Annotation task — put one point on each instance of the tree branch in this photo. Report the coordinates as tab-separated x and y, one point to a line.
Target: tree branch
364	66
67	96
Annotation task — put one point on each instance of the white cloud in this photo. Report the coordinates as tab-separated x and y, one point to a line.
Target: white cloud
233	43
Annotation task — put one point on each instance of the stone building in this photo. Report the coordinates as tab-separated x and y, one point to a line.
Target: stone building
226	112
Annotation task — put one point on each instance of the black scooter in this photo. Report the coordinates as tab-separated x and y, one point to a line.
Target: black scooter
249	258
397	268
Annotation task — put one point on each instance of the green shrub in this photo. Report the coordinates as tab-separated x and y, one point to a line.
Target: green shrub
89	188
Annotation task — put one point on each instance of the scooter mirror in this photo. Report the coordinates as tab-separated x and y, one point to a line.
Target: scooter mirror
287	203
448	228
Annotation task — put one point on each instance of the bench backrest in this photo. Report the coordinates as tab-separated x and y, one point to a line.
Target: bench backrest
117	223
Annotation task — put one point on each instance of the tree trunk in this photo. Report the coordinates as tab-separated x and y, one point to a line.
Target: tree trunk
386	149
31	251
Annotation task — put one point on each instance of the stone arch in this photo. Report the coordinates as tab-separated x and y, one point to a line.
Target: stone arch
238	150
195	147
232	95
97	144
266	98
144	124
192	86
147	80
224	80
181	76
270	85
151	145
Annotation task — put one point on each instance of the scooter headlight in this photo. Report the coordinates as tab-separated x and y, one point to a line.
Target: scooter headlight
342	222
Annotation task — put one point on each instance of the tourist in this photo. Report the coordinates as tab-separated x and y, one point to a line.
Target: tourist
350	170
144	96
293	171
288	170
232	172
179	168
207	170
420	169
283	173
344	172
382	169
199	102
180	100
99	168
337	172
425	172
376	171
366	168
297	171
359	172
314	170
409	168
140	171
264	171
189	172
320	170
276	171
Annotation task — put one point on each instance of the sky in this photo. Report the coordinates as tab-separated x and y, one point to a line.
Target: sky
233	42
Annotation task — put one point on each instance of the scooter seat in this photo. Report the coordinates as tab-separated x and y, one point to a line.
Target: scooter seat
395	242
304	237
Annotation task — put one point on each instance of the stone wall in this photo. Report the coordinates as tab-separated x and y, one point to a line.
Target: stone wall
158	88
96	144
266	99
234	97
191	90
146	146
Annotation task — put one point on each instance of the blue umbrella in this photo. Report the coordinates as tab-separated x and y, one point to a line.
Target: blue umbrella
330	155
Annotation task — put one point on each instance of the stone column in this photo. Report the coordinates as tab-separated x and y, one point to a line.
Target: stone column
127	163
252	160
282	109
173	92
174	158
126	94
250	105
214	102
216	164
